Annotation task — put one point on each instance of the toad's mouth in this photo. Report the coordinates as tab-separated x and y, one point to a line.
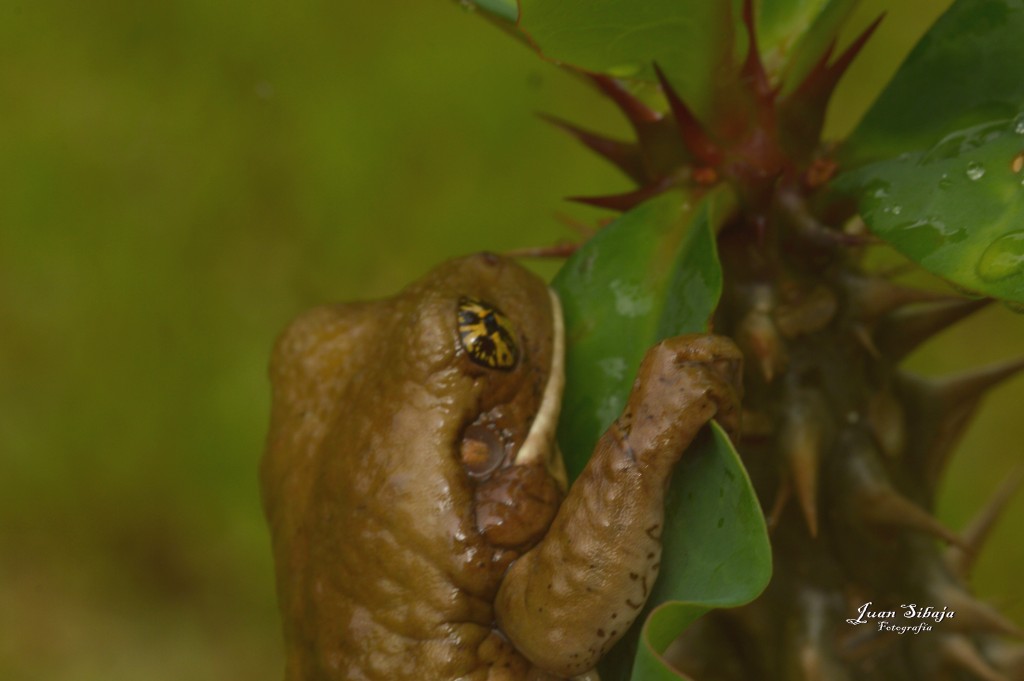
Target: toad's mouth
540	442
484	450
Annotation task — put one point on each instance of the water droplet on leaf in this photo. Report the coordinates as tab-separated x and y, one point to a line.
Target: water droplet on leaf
975	170
609	408
921	235
630	299
964	141
1018	124
613	367
1003	258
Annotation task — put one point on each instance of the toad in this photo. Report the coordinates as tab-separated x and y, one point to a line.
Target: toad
421	519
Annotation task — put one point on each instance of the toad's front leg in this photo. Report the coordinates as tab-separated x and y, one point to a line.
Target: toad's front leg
569	599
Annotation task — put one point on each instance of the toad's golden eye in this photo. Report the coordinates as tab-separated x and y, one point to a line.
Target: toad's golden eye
487	334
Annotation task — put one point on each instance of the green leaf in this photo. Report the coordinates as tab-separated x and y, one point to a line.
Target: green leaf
695	42
651	274
934	163
716	555
503	9
691	40
957	208
967	70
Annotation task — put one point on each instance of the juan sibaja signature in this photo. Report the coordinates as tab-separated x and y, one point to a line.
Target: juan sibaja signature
910	611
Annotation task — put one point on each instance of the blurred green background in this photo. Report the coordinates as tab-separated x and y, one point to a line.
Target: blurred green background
177	180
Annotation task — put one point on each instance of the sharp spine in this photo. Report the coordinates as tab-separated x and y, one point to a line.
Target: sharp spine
961	560
625	156
883	505
801	442
959	652
971	386
690	129
1008	657
939	411
875	297
886	506
901	332
560	250
973	615
623	202
805	106
635	110
839	66
758	336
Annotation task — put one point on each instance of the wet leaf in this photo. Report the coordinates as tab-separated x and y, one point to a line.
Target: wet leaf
967	70
508	10
699	45
935	164
651	274
957	208
691	40
716	555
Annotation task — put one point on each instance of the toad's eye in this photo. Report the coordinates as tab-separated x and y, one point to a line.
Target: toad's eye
487	335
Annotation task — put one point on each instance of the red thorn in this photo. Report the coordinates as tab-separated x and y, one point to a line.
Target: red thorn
563	250
636	111
625	156
804	109
579	226
692	132
838	68
623	202
823	78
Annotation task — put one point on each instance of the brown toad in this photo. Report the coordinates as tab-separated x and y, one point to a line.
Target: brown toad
417	501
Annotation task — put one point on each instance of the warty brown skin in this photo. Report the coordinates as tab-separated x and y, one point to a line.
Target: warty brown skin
385	569
567	601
